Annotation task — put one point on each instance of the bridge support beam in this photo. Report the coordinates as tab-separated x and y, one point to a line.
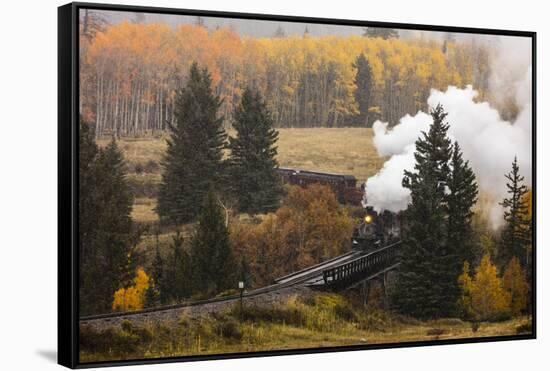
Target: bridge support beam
384	290
365	291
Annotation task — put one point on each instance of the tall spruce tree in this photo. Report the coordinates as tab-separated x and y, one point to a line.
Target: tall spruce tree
152	295
419	289
182	281
106	231
363	91
89	210
461	197
157	274
516	234
115	224
214	268
176	280
193	161
252	162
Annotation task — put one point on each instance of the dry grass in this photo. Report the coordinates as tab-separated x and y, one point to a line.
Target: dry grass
140	150
346	150
206	336
144	210
324	320
340	150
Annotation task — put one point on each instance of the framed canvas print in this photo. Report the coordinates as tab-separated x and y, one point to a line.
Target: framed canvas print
236	185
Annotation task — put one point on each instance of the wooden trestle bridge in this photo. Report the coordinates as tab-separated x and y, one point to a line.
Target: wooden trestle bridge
354	268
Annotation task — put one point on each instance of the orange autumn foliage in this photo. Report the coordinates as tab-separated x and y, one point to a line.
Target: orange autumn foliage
130	72
310	227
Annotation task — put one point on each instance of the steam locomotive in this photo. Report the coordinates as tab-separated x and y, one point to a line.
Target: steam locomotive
377	229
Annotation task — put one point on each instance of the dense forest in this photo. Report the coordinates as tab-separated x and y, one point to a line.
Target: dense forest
130	71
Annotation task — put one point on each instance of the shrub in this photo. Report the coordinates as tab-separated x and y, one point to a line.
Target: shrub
436	332
336	304
229	328
145	335
184	322
151	166
525	328
138	168
94	341
277	314
375	321
127	340
346	312
124	342
204	328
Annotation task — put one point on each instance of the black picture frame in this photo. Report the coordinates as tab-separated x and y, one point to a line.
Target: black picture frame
68	180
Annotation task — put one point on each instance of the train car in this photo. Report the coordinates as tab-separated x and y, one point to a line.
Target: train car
343	185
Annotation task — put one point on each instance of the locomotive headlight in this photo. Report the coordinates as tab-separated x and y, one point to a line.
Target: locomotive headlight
368	219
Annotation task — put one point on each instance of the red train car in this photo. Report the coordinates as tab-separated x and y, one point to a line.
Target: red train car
344	186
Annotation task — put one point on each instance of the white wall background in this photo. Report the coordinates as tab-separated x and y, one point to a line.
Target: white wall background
28	181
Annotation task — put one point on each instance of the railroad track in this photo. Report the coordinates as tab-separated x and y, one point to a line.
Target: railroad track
311	276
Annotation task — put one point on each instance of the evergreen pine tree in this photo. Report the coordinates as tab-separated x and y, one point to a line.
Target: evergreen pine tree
419	289
107	236
152	295
88	213
363	92
157	274
181	284
115	223
214	268
252	163
461	197
193	161
516	235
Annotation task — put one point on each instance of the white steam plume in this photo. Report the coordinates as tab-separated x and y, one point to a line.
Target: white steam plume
511	58
488	142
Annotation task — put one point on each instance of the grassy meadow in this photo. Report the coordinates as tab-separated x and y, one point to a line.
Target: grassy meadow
338	150
322	321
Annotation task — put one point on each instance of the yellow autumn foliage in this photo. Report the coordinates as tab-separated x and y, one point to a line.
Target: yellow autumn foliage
483	297
145	64
528	200
133	297
515	283
465	284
